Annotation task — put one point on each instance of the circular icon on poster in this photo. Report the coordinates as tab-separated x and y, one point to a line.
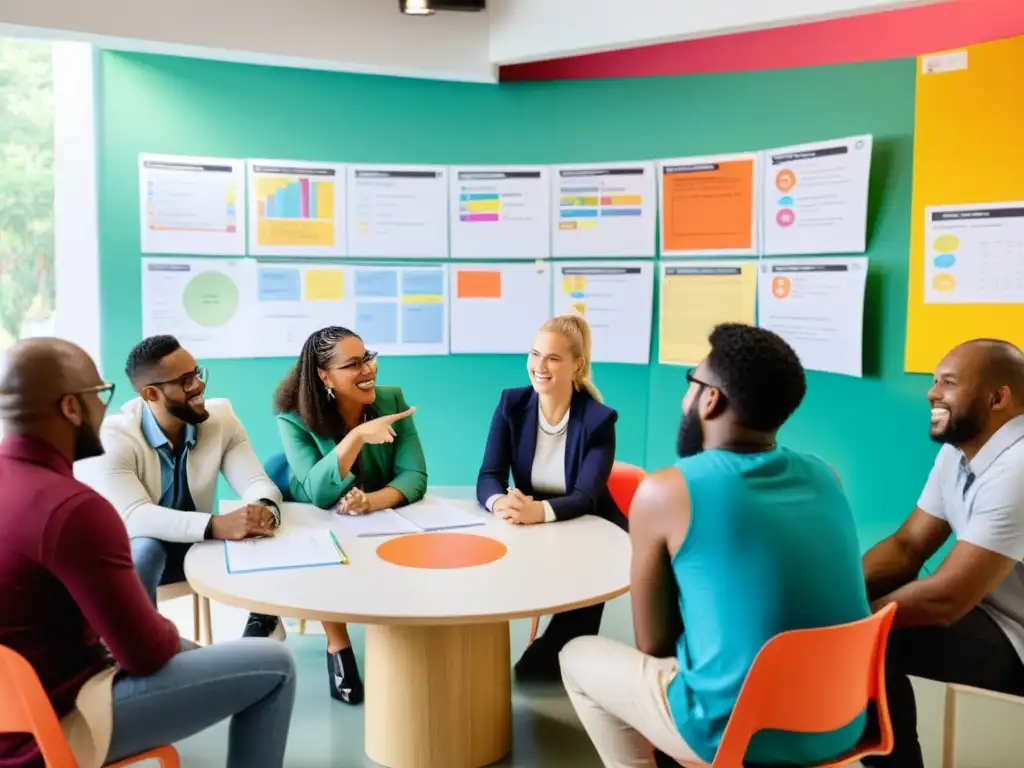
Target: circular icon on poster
785	200
210	299
943	282
946	243
944	260
785	217
781	287
785	180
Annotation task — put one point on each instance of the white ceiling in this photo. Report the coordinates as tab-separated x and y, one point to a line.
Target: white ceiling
372	36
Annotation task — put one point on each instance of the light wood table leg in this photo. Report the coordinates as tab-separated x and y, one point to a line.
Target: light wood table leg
438	696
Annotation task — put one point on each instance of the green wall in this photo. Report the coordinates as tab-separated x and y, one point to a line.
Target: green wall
182	106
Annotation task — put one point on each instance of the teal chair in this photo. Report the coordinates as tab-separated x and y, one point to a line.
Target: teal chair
278	471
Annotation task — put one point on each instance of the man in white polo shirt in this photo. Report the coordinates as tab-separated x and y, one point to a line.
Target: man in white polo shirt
965	622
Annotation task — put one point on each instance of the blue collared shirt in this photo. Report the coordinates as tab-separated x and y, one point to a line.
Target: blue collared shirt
174	492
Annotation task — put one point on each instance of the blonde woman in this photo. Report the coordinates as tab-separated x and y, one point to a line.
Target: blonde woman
557	442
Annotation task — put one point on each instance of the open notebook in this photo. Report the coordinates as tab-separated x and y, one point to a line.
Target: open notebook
426	515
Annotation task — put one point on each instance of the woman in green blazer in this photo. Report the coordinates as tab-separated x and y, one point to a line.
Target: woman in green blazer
351	446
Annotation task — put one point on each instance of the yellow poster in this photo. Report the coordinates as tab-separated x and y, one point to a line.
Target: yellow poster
966	276
697	296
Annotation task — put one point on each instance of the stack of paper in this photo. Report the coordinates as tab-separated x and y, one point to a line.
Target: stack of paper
302	549
426	515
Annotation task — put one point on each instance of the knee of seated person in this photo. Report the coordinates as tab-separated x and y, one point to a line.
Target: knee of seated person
579	654
271	655
148	554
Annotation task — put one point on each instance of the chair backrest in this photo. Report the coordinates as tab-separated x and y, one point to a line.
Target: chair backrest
622	484
278	471
25	708
812	681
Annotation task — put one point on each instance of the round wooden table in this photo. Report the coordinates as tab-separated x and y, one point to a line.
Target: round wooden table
438	668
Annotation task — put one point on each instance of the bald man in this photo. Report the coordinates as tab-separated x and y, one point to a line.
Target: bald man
965	622
72	605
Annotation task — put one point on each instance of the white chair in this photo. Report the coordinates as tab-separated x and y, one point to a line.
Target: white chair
949	724
202	630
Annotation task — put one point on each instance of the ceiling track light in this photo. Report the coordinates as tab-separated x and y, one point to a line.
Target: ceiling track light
416	7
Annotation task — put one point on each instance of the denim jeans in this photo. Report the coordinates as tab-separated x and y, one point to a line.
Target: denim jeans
251	681
158	563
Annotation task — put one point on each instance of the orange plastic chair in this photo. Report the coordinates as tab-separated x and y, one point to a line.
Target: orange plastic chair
25	708
622	485
811	681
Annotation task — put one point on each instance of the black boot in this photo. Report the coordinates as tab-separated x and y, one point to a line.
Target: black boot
343	676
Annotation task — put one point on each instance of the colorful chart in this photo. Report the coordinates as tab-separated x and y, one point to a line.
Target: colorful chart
603	210
297	209
190	205
497	308
292	300
500	212
975	254
402	310
398	211
205	303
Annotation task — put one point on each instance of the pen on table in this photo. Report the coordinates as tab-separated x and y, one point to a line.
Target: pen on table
341	552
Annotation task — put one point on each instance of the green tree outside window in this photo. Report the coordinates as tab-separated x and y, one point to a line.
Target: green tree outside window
26	189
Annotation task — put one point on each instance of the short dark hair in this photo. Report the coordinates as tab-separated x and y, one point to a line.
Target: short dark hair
759	373
146	355
303	392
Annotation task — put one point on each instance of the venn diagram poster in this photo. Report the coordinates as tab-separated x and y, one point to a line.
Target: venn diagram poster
814	197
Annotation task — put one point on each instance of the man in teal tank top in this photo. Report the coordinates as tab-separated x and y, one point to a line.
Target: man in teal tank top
742	539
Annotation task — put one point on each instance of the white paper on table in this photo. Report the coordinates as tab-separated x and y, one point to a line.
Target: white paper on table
384	522
436	515
302	549
817	306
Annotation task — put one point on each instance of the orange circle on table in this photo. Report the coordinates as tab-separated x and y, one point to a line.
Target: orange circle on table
441	550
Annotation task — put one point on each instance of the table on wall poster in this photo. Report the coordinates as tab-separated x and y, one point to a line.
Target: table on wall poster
437	608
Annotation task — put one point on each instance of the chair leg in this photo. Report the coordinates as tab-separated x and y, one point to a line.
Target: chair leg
207	622
949	729
533	629
302	626
195	618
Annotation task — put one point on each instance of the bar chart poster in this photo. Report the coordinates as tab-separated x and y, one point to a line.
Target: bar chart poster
192	205
500	212
296	208
398	211
603	210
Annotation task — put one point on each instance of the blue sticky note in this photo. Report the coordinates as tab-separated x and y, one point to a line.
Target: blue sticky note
279	284
423	282
377	283
377	322
423	323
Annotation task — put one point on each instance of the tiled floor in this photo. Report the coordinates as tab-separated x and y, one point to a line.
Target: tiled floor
326	734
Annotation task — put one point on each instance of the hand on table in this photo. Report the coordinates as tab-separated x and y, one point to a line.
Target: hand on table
521	509
379	430
250	521
355	502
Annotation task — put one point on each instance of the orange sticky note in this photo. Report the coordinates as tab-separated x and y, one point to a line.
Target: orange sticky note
479	285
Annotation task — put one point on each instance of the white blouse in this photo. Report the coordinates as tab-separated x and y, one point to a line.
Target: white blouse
548	473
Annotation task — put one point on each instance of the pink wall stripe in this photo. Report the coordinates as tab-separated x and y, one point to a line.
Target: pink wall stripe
892	34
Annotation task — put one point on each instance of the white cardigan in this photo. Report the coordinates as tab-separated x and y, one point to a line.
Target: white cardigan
128	474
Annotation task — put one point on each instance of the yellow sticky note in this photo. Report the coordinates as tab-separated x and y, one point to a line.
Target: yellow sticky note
325	285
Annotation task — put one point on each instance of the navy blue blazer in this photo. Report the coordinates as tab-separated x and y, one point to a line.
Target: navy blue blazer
589	454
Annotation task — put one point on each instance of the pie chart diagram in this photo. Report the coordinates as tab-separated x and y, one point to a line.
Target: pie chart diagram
210	299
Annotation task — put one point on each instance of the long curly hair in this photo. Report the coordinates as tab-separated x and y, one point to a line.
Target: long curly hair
302	390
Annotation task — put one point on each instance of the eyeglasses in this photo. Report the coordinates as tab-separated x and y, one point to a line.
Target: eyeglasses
104	391
186	381
691	379
369	359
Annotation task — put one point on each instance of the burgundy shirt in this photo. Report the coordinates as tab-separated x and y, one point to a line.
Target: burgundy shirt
68	590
